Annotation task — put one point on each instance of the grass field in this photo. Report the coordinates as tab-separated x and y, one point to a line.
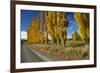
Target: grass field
73	50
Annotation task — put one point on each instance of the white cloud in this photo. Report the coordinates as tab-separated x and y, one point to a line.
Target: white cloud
24	35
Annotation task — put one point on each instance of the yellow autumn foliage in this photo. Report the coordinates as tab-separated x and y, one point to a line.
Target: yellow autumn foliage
83	25
33	35
54	25
75	36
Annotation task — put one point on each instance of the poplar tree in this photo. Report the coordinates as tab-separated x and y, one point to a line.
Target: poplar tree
83	25
75	36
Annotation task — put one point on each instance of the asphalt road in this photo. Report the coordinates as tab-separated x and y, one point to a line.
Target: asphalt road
32	55
28	56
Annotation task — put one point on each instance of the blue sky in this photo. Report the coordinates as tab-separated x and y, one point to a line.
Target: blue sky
72	26
27	16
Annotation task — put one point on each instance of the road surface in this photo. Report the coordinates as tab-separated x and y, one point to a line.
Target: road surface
32	55
28	56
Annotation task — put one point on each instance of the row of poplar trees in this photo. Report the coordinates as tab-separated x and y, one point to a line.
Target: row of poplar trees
54	24
49	23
